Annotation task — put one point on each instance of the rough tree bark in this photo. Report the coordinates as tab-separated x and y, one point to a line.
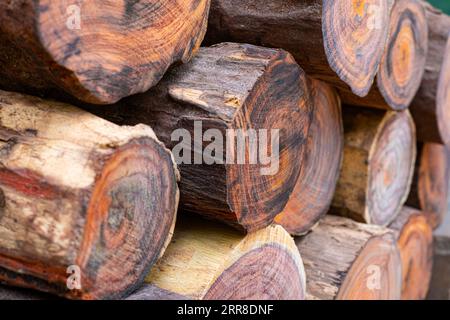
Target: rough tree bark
431	120
378	165
345	260
430	187
415	242
77	191
403	64
97	51
341	42
225	92
206	260
316	185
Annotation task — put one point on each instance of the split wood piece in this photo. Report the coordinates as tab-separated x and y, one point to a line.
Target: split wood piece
440	280
430	187
237	119
210	261
378	165
431	114
319	172
341	42
345	260
415	242
151	292
443	96
97	51
81	195
403	64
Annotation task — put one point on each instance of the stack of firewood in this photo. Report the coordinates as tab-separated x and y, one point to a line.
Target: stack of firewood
120	128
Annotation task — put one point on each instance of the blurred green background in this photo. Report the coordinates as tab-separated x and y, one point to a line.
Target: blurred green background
442	4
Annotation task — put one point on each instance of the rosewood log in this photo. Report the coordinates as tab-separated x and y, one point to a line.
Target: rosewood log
341	42
211	261
430	187
151	292
403	64
315	187
215	113
415	242
431	117
378	165
97	51
345	260
443	95
80	199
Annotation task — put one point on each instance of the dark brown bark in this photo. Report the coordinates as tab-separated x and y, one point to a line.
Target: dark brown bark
230	87
378	165
415	242
431	120
315	187
118	48
345	260
80	196
403	64
340	42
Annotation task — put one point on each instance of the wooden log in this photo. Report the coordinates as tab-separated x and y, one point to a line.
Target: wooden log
443	96
211	111
431	120
403	64
341	42
80	197
415	243
378	165
345	260
151	292
440	281
315	187
97	51
430	187
210	261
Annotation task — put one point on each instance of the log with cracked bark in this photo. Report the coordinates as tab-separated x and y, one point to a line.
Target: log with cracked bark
432	116
403	64
415	242
97	51
341	42
346	260
79	194
319	172
237	119
430	187
378	165
207	260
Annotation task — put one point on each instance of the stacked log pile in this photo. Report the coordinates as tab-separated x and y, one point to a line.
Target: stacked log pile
224	149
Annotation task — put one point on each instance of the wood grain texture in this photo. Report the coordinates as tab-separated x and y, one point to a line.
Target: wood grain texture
430	188
378	165
151	292
403	64
345	260
415	243
431	121
230	88
78	190
209	261
341	42
120	47
443	96
315	187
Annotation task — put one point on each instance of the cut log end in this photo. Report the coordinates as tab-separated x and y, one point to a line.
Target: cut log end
391	167
375	274
209	261
355	34
130	218
443	97
316	184
403	63
415	242
76	46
